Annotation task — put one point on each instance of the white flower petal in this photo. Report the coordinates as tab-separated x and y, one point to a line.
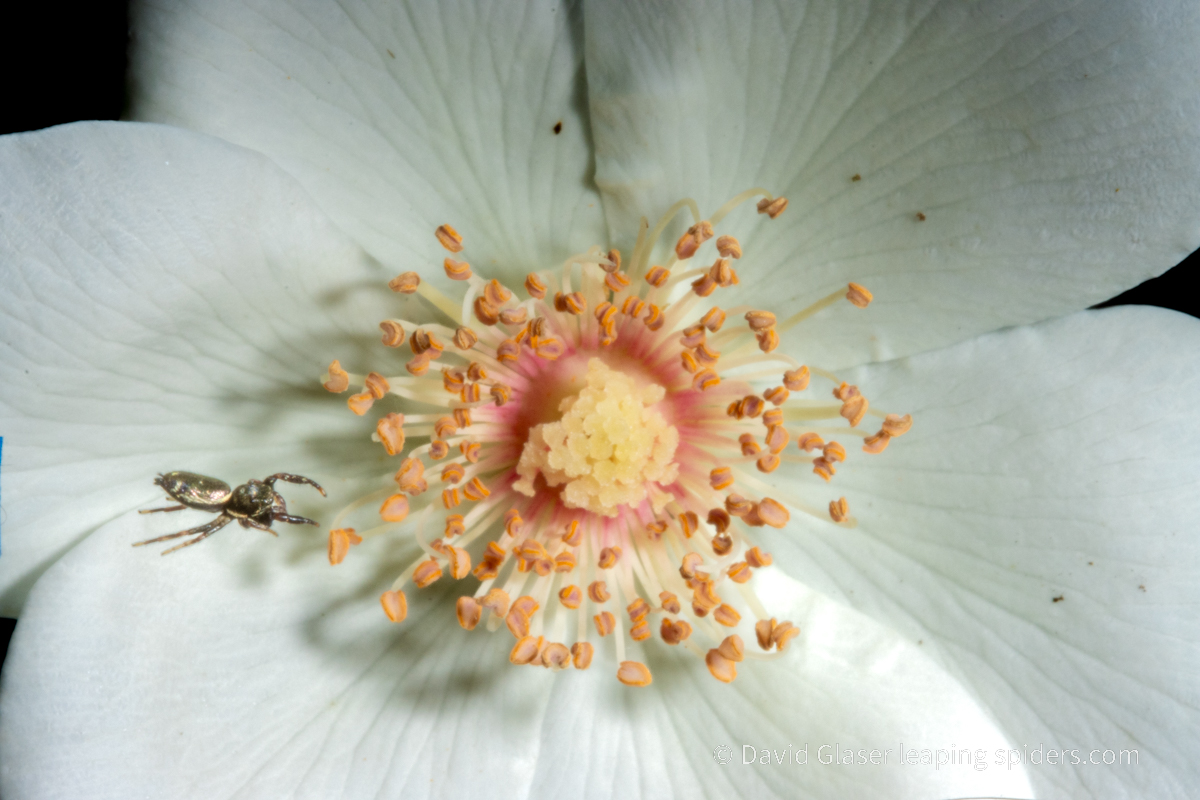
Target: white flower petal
1057	461
246	667
396	117
161	309
1052	148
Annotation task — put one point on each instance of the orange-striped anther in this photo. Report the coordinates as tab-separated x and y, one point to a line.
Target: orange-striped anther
340	540
670	603
496	293
419	365
859	295
777	438
749	446
768	463
517	622
876	443
637	610
654	318
809	442
896	425
689	523
450	498
616	281
457	270
459	562
485	312
405	283
713	319
508	350
450	238
614	261
691	240
839	510
573	535
444	427
824	468
489	567
581	654
535	286
776	395
411	476
755	557
462	417
377	385
609	557
469	612
772	513
598	592
796	380
854	409
454	526
772	417
360	403
513	316
768	340
634	673
732	647
727	615
556	656
722	544
496	601
564	561
395	605
570	596
393	333
572	303
719	519
704	285
657	276
688	361
772	208
720	478
656	529
721	272
760	320
337	380
465	338
720	667
525	650
426	573
475	490
687	568
729	247
640	631
706	356
705	379
548	348
394	509
834	452
783	633
632	307
605	622
390	430
762	632
739	572
674	632
738	506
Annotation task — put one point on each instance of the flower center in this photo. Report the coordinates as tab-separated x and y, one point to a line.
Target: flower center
606	447
610	444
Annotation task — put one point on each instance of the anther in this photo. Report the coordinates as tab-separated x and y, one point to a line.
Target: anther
485	312
839	510
444	427
457	270
393	333
572	303
834	452
705	379
706	356
732	648
438	450
722	544
556	656
632	307
535	286
762	632
854	409
760	320
689	523
796	380
475	490
768	463
496	601
605	622
525	650
616	281
858	295
452	473
570	596
508	350
465	338
824	468
876	443
688	361
419	365
749	446
548	349
657	276
609	557
337	380
390	429
772	418
469	612
637	610
674	632
395	605
426	573
394	509
783	633
656	529
720	667
517	622
691	240
640	631
564	561
704	285
598	592
573	534
777	438
713	319
470	394
411	476
726	615
752	405
768	340
739	572
614	261
450	498
772	513
489	567
459	562
405	283
634	673
496	293
670	603
462	417
719	519
776	395
720	478
809	442
688	568
340	540
514	316
755	557
772	208
896	425
377	385
738	506
581	654
729	247
654	318
450	238
501	394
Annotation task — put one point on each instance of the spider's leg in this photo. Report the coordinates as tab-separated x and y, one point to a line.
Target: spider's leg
168	508
290	478
204	535
250	523
293	519
205	529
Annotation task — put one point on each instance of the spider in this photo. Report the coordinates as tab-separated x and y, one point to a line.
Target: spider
254	504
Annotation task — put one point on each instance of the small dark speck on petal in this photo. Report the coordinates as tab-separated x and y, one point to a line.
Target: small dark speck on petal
390	53
856	177
1058	599
920	216
558	127
1142	586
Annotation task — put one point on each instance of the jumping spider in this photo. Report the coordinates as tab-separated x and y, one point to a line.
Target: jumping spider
254	504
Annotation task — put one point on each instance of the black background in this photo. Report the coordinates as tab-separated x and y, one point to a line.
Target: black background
66	61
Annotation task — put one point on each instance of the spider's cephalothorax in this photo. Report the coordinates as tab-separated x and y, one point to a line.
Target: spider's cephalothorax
254	504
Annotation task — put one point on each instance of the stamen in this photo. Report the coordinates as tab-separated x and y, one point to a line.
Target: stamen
395	605
340	540
450	238
405	283
633	673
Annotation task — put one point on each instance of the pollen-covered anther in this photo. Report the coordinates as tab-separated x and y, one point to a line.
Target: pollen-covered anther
738	506
691	240
508	350
796	380
762	631
609	557
457	270
657	276
896	425
719	519
548	349
497	293
340	540
570	596
722	273
689	523
419	365
411	476
426	573
720	478
572	303
839	510
475	490
726	615
772	208
637	610
459	562
605	622
777	438
581	654
687	360
393	333
337	380
654	318
669	602
858	295
394	509
451	498
834	452
438	450
768	463
556	656
756	558
768	340
390	430
772	418
760	320
517	620
722	544
824	468
452	473
729	247
689	564
705	356
739	572
486	312
674	632
634	673
772	512
444	427
809	442
876	443
656	529
640	631
462	417
616	281
783	633
470	393
598	592
469	612
514	316
535	286
854	409
465	338
405	283
395	605
749	446
377	385
614	261
489	567
704	285
525	650
705	379
720	667
776	395
564	562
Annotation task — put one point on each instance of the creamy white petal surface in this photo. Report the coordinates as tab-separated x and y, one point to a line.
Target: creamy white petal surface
1057	461
161	312
1052	148
270	673
397	117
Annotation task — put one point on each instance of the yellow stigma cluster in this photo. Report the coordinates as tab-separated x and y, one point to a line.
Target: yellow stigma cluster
608	447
